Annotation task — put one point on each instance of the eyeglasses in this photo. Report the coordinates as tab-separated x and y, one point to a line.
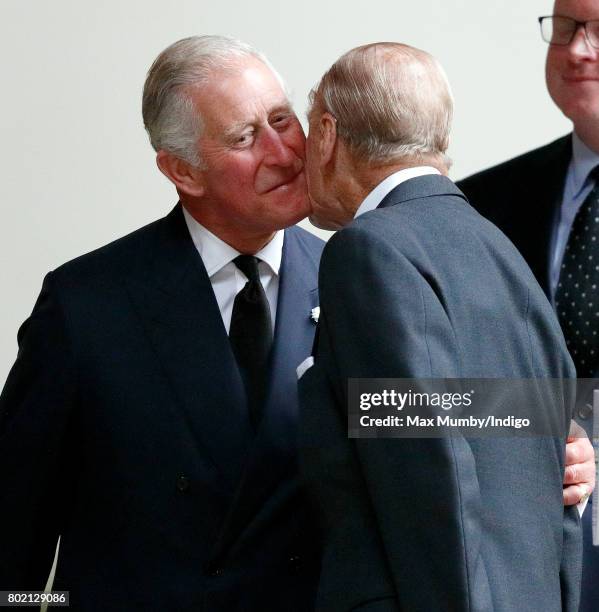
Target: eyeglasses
558	30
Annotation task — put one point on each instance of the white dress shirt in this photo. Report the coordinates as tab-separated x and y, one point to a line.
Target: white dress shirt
226	278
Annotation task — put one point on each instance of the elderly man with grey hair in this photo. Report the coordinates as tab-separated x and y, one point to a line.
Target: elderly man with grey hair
418	285
150	419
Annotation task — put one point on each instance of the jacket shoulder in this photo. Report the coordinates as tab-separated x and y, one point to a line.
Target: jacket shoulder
508	174
114	258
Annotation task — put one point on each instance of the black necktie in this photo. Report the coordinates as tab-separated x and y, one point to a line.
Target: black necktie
250	334
577	295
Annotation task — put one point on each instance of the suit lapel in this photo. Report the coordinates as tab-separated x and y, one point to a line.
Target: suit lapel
274	452
540	208
180	314
294	334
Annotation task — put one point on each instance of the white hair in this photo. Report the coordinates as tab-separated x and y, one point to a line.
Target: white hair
171	118
391	101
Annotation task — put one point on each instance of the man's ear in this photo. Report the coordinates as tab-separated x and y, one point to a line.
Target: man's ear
187	178
328	137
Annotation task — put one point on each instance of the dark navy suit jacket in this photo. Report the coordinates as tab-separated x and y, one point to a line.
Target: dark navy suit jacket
522	196
425	287
124	430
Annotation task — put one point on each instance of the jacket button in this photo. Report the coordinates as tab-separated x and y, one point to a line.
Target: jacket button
585	411
182	483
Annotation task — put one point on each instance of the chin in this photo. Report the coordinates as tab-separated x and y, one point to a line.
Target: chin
321	223
301	207
289	213
581	112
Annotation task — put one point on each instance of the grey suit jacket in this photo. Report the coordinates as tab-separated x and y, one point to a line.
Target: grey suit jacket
523	196
425	287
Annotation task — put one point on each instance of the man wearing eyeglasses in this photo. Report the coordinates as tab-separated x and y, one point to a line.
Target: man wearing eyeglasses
547	202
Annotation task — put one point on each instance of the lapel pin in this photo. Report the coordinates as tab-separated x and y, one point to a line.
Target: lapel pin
315	313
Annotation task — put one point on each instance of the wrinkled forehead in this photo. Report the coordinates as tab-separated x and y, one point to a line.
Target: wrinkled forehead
241	95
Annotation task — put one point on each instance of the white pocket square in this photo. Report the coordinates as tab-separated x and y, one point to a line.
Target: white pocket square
305	365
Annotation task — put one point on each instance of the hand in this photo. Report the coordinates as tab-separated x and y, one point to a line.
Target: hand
579	477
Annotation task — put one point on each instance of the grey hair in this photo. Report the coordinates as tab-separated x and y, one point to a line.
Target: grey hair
391	102
171	118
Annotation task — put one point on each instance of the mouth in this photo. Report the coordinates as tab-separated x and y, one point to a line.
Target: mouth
580	79
287	183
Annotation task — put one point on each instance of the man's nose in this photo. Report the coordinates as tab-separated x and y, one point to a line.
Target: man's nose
276	150
580	46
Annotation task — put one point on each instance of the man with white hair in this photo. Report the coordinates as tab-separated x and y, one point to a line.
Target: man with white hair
418	285
150	417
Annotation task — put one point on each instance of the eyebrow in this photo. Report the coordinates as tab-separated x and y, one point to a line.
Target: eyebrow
238	128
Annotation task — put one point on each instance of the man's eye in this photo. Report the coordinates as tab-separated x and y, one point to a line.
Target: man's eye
281	120
244	139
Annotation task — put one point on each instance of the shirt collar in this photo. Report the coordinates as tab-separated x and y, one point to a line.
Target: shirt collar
216	253
377	195
583	161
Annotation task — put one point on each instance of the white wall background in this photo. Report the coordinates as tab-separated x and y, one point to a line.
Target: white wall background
77	170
